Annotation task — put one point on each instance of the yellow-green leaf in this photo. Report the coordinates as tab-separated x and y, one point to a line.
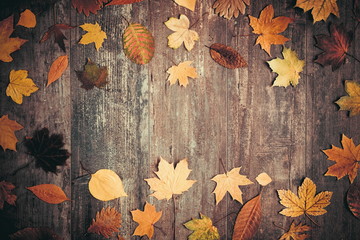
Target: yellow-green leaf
203	229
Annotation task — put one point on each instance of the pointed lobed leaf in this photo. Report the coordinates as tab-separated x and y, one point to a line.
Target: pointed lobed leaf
92	75
94	35
20	85
181	72
352	102
49	193
202	228
321	9
8	139
58	34
296	232
146	220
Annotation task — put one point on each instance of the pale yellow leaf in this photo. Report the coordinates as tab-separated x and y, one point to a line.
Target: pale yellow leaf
263	179
189	4
94	35
20	85
181	72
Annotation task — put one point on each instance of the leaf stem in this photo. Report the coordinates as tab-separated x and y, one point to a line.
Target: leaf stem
215	222
128	23
350	55
279	226
85	169
174	213
198	20
21	167
222	164
311	220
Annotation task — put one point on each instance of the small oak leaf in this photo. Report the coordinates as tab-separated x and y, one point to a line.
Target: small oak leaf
92	76
321	9
8	139
202	228
146	220
94	35
352	102
27	19
182	72
59	36
6	195
107	222
230	8
296	232
189	4
20	85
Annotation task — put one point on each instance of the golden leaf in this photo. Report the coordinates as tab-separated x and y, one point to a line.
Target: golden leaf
296	232
8	139
27	19
230	8
57	69
263	179
352	102
146	220
20	85
94	35
203	229
181	72
189	4
107	222
321	9
49	193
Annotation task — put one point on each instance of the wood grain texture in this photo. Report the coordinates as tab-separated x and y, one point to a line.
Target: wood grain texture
232	115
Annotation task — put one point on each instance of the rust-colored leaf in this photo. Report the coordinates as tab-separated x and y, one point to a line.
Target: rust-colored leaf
8	139
6	195
353	199
57	69
41	233
122	2
248	220
106	223
59	36
49	193
226	56
88	6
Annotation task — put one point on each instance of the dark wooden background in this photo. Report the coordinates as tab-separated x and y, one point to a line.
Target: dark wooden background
234	115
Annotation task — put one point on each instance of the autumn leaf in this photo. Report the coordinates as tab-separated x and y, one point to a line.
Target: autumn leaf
122	2
230	8
335	46
49	193
107	222
59	36
248	220
182	72
296	232
352	102
347	159
27	19
92	76
226	56
181	34
321	9
288	69
106	185
5	193
57	69
230	182
269	28
353	199
8	45
47	150
170	181
203	229
138	43
306	202
88	6
189	4
94	35
8	139
263	179
146	220
20	85
40	233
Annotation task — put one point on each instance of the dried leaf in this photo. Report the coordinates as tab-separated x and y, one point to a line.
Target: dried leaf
321	9
189	4
248	220
8	45
42	233
263	179
335	46
88	6
5	193
59	37
296	232
20	85
94	35
269	28
138	43
230	182
27	19
350	103
57	69
107	222
181	34
346	159
8	139
288	69
146	220
106	185
170	181
230	8
47	150
49	193
306	203
122	2
92	75
226	56
203	229
182	72
353	199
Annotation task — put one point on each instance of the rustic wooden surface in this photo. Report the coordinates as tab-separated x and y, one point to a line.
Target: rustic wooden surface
232	115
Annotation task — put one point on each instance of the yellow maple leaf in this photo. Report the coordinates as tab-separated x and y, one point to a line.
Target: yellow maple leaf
8	139
230	182
203	229
321	9
27	19
181	34
146	220
288	69
181	72
306	202
94	35
269	28
20	85
296	232
189	4
8	45
352	102
170	181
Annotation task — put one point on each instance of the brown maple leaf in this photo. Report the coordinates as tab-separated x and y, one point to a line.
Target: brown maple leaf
59	36
92	75
88	6
8	139
335	46
107	222
347	159
6	195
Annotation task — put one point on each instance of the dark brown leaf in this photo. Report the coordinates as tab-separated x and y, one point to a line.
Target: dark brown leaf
88	6
226	56
353	199
47	150
92	75
6	195
41	233
58	34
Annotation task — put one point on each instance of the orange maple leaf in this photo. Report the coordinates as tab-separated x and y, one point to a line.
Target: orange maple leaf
146	220
8	139
269	28
347	159
106	223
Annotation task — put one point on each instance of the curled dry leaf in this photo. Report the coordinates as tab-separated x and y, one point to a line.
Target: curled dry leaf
27	19
59	36
94	35
202	228
321	9
189	4
230	8
106	185
226	56
122	2
182	72
41	233
8	127
49	193
88	6
296	232
263	179
350	103
353	199
57	69
20	85
92	76
248	220
146	220
6	195
107	222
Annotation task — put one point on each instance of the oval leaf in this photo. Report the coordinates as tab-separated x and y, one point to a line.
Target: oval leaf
106	185
248	220
49	193
35	234
122	2
57	69
353	199
227	56
27	19
138	43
